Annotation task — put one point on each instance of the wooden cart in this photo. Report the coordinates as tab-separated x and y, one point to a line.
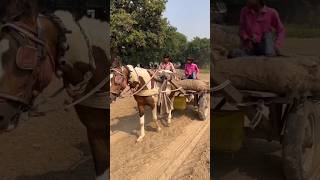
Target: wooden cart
198	99
293	120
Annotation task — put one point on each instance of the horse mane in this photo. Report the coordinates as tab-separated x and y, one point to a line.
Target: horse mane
94	29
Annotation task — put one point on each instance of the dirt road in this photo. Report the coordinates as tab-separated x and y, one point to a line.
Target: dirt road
259	159
131	160
53	147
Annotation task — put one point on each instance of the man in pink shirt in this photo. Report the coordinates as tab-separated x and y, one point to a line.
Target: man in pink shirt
166	64
191	70
257	22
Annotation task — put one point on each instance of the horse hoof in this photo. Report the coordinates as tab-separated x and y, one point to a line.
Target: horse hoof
140	138
158	129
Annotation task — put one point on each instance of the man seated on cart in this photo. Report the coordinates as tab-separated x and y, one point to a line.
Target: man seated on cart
191	69
166	64
257	22
116	61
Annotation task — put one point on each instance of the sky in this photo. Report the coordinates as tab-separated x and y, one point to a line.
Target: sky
190	17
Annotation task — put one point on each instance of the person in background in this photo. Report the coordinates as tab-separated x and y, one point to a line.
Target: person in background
191	70
257	22
166	64
116	62
155	66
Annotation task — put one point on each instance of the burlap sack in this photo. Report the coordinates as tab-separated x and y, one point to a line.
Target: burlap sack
194	85
218	53
277	74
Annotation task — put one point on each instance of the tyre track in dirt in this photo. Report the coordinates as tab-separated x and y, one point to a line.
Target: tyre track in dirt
127	156
197	164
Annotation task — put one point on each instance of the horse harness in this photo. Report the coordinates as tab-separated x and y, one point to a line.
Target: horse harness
31	53
34	51
134	89
163	79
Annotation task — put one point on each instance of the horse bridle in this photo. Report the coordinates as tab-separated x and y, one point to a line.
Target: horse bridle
26	33
25	38
117	71
20	31
121	74
130	89
43	50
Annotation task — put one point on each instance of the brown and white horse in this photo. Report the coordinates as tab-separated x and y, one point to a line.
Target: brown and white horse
145	92
30	55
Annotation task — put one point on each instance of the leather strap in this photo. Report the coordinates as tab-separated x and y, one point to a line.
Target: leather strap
13	98
23	31
26	31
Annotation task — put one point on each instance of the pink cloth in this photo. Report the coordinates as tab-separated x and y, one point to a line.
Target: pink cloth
167	66
254	24
191	68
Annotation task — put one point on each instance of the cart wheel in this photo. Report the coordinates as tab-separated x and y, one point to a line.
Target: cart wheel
299	149
203	106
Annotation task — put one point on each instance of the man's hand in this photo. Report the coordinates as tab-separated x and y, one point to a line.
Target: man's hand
254	39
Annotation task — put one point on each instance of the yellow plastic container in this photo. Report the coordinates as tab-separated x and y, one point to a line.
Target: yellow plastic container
228	132
180	103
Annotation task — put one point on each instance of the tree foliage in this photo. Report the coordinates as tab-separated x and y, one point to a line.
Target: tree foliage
137	26
175	44
199	49
140	34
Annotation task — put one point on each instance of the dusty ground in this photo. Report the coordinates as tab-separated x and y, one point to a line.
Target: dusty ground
197	165
127	156
259	159
53	147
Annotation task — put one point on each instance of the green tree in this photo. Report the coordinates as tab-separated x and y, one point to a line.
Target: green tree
140	34
199	49
138	27
175	44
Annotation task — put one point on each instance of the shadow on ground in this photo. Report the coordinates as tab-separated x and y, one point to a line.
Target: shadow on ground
258	159
83	171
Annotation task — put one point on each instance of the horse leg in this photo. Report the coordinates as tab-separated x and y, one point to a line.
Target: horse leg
97	132
154	116
171	96
98	144
141	114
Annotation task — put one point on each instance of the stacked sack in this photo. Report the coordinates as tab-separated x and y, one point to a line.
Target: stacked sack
274	74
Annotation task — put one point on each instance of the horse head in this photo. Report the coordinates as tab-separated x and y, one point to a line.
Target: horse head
119	82
26	68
